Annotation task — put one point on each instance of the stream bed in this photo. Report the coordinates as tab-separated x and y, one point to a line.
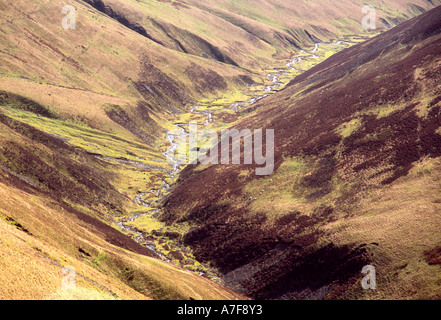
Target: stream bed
149	240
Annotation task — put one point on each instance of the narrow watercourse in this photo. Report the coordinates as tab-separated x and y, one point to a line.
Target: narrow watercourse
180	132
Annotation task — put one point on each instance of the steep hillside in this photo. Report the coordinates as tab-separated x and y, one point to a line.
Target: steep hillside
39	238
57	209
164	53
78	72
356	180
249	34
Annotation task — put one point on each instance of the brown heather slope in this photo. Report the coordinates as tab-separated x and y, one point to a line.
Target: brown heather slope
357	179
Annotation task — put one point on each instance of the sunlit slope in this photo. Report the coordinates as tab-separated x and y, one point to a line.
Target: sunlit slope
250	33
39	238
79	72
357	157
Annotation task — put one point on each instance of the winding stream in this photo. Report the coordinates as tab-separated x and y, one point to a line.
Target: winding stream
173	139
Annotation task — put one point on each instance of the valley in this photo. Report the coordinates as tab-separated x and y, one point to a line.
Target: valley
90	124
331	171
211	111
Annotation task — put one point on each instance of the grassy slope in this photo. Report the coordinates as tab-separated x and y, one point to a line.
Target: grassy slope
78	73
356	180
56	210
39	238
248	35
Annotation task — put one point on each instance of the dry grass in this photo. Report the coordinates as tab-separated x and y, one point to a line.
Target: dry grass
404	220
31	262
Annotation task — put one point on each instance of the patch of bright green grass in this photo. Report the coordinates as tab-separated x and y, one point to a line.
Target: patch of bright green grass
346	129
91	140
